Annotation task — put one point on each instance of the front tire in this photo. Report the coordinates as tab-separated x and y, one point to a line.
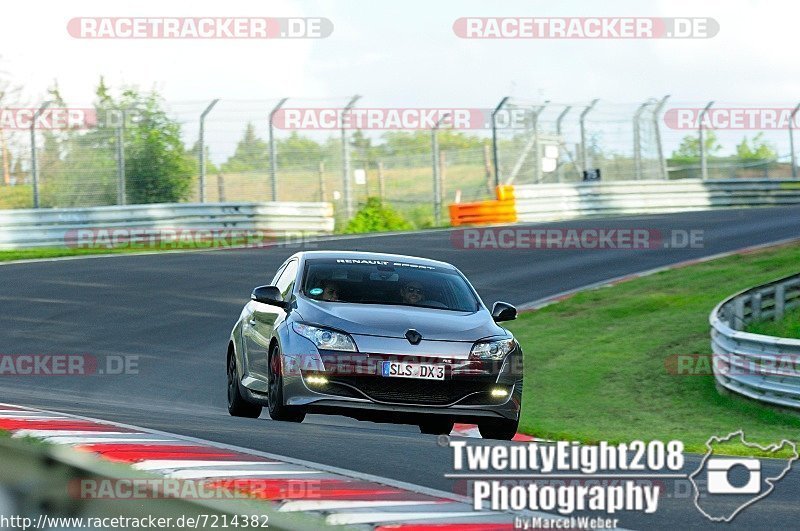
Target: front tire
237	405
502	430
277	409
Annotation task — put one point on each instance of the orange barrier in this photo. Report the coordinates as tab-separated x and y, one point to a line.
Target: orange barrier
501	210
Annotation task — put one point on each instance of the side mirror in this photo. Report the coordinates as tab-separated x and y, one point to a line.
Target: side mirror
268	295
502	311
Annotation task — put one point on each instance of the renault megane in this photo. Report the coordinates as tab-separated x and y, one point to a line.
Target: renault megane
378	337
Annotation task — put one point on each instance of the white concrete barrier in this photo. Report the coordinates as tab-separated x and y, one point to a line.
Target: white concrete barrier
52	227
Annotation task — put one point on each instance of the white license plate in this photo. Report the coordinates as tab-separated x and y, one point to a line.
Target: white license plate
424	371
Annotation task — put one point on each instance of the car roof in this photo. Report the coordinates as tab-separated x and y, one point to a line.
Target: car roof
360	255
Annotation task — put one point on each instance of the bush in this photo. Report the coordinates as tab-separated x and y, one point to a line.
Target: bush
374	216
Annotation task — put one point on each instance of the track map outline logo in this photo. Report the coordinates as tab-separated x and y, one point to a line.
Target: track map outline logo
771	481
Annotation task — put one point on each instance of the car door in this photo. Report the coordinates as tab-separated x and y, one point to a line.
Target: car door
260	323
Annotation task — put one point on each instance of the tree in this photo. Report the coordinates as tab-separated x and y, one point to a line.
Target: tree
297	151
756	149
689	149
252	153
158	168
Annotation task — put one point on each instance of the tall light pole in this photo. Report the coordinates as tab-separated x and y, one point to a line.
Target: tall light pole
273	155
348	194
34	165
437	183
202	145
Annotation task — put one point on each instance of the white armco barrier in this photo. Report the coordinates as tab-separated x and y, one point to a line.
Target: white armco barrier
548	202
53	227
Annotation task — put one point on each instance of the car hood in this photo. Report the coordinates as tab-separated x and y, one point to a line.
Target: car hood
394	321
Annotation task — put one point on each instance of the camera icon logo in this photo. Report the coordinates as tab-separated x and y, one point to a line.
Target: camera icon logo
724	486
720	470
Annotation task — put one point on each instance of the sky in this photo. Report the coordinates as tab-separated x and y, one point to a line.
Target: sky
406	54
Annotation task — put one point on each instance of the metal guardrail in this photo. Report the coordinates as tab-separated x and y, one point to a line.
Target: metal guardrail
761	367
50	227
548	202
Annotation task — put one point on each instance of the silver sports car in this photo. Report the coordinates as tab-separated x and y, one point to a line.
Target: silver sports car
378	337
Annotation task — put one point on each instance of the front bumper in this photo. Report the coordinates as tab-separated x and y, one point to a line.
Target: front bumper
355	387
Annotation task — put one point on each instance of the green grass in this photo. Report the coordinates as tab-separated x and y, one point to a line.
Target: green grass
789	326
596	364
55	252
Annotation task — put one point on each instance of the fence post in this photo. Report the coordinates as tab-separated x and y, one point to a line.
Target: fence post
121	193
637	140
703	154
662	162
34	165
780	301
443	172
537	169
322	180
584	157
6	164
561	116
273	157
348	195
487	167
437	184
791	142
202	146
220	187
494	140
381	183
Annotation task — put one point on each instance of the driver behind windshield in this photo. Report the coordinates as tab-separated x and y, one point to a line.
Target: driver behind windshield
412	293
330	291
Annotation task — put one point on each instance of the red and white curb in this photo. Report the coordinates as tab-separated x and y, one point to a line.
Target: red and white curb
471	430
340	497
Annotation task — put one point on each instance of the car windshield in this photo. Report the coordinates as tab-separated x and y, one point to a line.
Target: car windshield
387	282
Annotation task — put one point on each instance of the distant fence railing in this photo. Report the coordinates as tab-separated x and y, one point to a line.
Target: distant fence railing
762	367
57	227
551	202
560	201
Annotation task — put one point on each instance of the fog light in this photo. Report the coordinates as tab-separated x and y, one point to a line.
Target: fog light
316	380
499	392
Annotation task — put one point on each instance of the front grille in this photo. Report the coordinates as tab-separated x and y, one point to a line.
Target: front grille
404	390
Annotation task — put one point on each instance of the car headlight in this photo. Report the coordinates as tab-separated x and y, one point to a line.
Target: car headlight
324	338
492	350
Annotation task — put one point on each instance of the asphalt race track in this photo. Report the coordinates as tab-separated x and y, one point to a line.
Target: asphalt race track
175	312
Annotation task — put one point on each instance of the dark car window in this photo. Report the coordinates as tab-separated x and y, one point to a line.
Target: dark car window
387	282
286	280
